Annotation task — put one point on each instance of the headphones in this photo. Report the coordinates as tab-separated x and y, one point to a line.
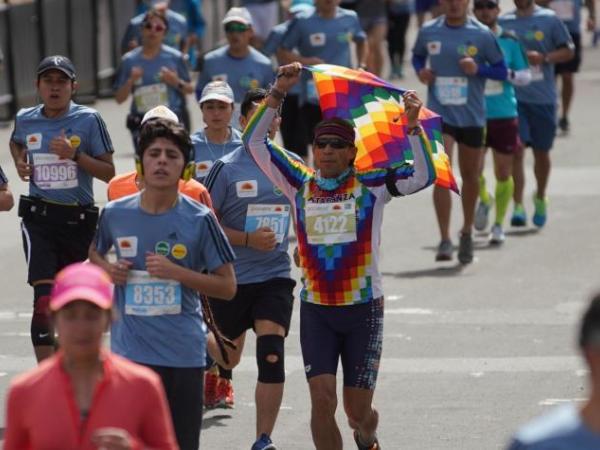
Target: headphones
189	169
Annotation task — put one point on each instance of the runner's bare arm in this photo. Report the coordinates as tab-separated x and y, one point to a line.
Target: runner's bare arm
101	167
19	155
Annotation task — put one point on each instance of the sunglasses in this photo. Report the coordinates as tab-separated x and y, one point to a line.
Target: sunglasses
335	143
236	27
158	27
485	5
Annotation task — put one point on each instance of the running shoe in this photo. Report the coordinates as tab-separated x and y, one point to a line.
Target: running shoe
540	215
211	380
481	214
374	446
465	249
564	126
264	442
445	250
497	236
519	217
224	398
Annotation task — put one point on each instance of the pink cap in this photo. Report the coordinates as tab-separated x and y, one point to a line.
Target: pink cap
82	281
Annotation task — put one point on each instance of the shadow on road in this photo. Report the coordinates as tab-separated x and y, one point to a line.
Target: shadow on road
215	421
446	271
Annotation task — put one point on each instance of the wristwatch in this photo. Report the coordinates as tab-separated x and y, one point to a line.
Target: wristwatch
414	131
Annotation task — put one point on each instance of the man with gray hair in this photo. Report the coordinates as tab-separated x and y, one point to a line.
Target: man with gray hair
570	426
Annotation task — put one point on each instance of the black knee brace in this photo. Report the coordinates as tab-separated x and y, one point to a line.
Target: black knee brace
42	332
268	346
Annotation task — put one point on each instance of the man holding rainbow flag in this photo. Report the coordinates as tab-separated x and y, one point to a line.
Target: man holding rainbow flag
338	212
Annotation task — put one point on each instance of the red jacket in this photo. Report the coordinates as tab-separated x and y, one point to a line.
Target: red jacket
42	413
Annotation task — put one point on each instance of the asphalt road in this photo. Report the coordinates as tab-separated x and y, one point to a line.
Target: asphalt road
469	353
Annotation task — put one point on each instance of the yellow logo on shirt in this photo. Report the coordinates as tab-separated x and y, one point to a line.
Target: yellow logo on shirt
179	251
471	50
75	141
539	35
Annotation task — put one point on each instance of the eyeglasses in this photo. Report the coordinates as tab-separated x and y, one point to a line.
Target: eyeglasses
485	5
335	143
236	27
158	27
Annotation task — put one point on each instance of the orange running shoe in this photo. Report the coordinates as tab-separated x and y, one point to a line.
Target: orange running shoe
224	398
211	382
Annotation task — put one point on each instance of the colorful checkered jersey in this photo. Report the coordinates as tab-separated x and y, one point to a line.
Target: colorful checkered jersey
339	230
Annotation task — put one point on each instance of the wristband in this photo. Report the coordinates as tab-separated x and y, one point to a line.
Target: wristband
180	85
76	155
246	244
277	94
414	131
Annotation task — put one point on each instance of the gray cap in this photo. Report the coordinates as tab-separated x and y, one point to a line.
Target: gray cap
217	90
237	14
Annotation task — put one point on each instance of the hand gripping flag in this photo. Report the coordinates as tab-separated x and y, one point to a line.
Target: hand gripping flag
376	110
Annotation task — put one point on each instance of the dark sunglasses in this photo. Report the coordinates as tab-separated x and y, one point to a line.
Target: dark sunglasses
236	27
336	143
158	27
485	5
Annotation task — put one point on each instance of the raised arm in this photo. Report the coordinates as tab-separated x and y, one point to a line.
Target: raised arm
285	172
407	179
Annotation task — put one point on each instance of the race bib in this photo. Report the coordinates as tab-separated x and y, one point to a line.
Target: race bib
51	172
451	90
564	9
331	223
537	73
148	97
493	87
312	95
148	296
276	217
202	168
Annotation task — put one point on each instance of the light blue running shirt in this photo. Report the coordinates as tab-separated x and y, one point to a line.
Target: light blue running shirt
543	32
569	11
150	91
245	199
458	98
500	100
242	74
559	429
328	39
160	321
176	34
60	180
273	43
206	153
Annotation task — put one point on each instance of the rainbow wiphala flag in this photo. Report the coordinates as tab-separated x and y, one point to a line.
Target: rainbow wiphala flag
375	108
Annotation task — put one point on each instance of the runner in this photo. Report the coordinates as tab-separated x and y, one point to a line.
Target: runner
547	42
97	400
338	215
502	129
59	147
373	20
130	183
398	12
6	198
236	63
218	137
154	74
321	37
571	426
265	15
255	216
462	53
176	35
291	114
159	272
569	11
